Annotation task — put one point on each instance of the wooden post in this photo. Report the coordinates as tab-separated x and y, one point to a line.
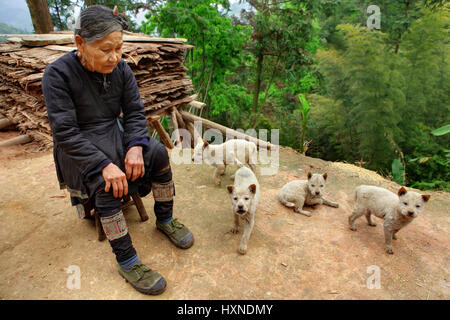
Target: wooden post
194	134
16	140
224	130
179	119
5	123
175	127
161	132
182	124
197	104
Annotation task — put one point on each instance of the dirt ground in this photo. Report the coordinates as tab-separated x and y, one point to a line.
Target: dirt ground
290	256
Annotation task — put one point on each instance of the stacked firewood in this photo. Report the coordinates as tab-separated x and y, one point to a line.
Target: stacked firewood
157	65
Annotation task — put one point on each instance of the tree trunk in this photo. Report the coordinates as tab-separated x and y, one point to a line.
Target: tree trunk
209	81
269	84
59	26
397	45
40	15
259	67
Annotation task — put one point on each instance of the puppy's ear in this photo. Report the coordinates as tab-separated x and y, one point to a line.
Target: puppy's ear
401	191
309	175
325	175
426	197
252	188
205	144
230	189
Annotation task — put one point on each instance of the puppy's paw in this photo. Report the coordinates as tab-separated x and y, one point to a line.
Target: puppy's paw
305	213
234	230
389	250
331	204
242	249
353	228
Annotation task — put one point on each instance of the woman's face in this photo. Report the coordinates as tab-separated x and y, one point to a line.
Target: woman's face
102	55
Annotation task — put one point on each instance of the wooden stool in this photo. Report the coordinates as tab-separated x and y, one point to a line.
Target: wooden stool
126	202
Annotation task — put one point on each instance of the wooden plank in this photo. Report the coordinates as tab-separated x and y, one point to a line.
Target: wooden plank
32	77
46	39
197	104
145	38
60	48
14	39
66	38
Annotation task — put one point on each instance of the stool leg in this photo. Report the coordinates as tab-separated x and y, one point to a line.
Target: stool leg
140	207
126	198
98	226
87	210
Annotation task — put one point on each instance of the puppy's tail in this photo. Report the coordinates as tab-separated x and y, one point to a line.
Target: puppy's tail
238	163
285	202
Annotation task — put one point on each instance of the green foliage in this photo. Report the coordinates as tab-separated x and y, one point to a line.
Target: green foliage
62	12
304	113
218	49
398	172
441	131
366	96
368	91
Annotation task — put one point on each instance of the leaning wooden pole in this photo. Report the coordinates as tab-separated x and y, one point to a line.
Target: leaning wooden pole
165	138
175	128
226	131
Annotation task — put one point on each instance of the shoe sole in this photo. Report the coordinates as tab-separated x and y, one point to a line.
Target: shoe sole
147	291
174	241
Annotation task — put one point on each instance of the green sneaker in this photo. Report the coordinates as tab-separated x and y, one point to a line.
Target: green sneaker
144	279
178	233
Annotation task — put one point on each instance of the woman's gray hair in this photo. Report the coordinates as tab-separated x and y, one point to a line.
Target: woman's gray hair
96	22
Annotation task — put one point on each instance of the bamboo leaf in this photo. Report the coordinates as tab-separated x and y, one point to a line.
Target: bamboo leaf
441	131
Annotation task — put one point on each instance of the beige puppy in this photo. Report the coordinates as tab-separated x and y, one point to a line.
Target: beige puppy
396	210
297	193
233	151
244	199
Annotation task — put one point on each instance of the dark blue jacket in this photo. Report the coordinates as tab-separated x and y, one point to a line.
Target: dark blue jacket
83	108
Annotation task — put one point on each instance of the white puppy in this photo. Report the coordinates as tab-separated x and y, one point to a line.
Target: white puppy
396	210
233	151
244	199
297	193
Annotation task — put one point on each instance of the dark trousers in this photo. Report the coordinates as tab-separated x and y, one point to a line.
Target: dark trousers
157	170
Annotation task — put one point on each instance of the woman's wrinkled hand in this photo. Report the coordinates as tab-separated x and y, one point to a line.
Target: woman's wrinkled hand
115	178
134	163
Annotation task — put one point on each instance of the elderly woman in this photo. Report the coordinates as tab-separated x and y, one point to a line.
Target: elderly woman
100	155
